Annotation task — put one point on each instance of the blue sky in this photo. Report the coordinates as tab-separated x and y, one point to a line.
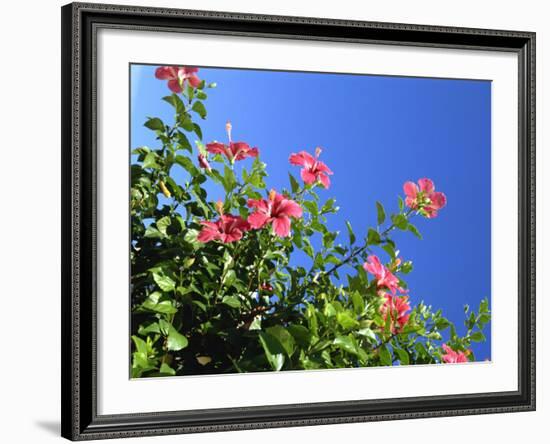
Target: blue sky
376	133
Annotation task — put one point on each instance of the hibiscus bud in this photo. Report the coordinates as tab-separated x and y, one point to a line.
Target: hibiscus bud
318	151
228	128
164	190
203	162
272	194
219	207
266	287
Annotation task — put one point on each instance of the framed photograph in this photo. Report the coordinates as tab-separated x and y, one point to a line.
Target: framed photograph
278	221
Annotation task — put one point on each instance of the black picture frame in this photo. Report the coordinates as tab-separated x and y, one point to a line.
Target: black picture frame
80	420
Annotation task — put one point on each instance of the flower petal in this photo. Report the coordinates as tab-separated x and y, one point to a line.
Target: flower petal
194	81
325	180
323	168
307	176
216	148
166	73
174	85
288	207
207	234
439	200
258	220
410	189
281	226
426	185
302	159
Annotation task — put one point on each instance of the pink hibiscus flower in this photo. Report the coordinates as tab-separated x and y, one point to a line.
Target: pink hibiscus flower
452	357
177	76
277	210
313	169
234	150
396	307
227	228
385	278
424	197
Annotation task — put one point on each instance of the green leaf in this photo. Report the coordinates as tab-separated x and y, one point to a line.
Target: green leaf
183	141
478	337
141	345
328	207
175	341
163	223
229	179
152	233
373	237
146	329
402	355
400	203
312	319
294	185
199	108
165	369
155	304
150	161
414	230
385	355
300	333
346	320
358	302
155	124
197	130
232	301
164	282
400	221
312	207
274	351
186	163
381	214
349	345
284	338
229	278
175	101
367	333
351	234
185	122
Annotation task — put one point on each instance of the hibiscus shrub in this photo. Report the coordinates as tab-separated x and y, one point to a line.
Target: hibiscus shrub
214	289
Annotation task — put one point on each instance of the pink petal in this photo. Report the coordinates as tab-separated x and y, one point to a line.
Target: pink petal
260	204
322	167
410	189
281	226
302	158
307	176
165	73
194	81
290	208
410	202
216	148
207	234
233	236
325	180
439	200
426	185
190	69
211	225
174	85
258	220
253	152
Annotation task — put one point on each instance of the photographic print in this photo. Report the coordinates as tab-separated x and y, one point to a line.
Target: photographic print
307	220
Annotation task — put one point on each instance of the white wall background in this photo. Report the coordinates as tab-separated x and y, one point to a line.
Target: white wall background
30	219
